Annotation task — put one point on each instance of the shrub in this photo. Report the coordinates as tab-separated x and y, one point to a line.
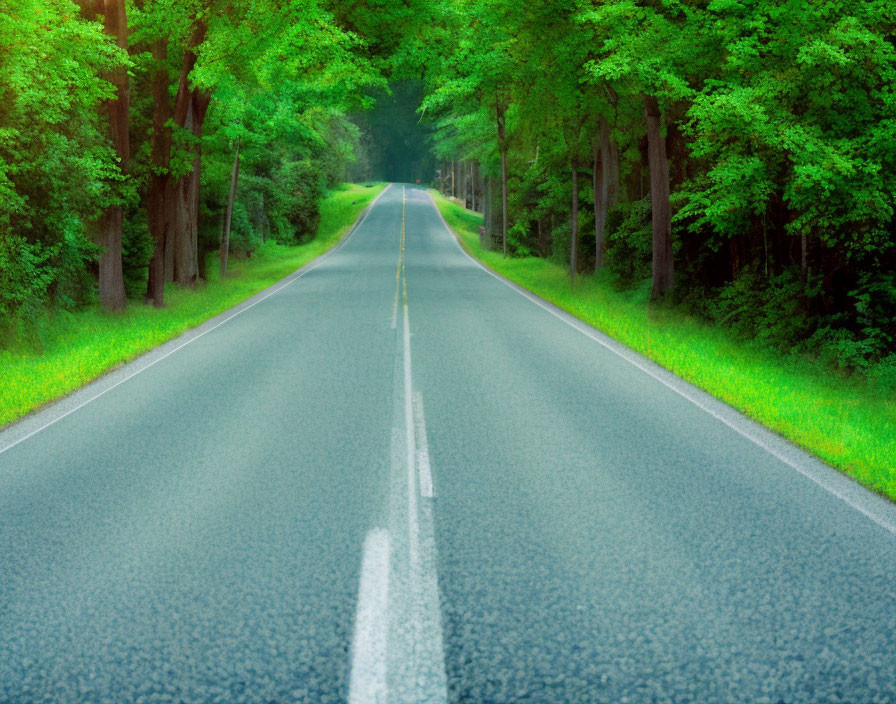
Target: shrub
769	311
298	190
629	244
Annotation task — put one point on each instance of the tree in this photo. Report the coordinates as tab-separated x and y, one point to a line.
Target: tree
58	171
477	77
117	111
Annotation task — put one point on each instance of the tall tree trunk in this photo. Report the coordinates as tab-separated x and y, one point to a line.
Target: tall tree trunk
473	195
600	205
663	267
474	180
180	257
480	187
462	182
186	198
225	237
606	188
111	277
156	205
574	237
493	218
477	200
201	102
166	221
502	145
612	177
485	234
183	268
677	149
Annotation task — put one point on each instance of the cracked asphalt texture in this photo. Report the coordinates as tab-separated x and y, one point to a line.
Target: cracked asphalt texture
195	534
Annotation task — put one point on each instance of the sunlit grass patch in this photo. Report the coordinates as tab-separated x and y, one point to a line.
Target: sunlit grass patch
847	422
78	347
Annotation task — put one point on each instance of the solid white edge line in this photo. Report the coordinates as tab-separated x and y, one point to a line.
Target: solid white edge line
885	513
368	676
274	288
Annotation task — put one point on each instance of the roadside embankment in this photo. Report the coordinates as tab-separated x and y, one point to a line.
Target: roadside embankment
849	423
77	347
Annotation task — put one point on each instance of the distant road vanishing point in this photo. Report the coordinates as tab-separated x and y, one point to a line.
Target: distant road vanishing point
393	477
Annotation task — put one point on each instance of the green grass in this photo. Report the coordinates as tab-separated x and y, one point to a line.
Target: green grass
846	422
78	347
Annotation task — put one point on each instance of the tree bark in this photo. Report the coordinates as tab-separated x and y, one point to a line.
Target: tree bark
116	112
600	205
225	237
471	197
111	277
180	260
472	185
462	182
186	198
156	206
201	102
502	144
474	170
606	188
164	204
485	234
183	270
574	237
663	266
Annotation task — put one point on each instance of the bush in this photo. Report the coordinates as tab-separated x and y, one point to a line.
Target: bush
517	239
136	251
629	244
33	273
297	192
25	274
242	237
875	306
883	374
841	348
769	311
561	237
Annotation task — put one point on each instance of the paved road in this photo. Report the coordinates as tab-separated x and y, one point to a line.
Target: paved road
397	479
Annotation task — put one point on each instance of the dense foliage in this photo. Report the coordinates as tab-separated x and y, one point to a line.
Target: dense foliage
742	154
119	125
736	156
56	166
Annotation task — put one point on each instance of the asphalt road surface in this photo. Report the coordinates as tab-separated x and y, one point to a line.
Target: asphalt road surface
395	478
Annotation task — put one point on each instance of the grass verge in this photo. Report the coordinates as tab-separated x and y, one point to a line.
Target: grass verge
846	422
80	346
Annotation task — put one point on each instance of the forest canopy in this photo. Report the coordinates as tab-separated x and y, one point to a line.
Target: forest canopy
736	157
121	123
739	157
